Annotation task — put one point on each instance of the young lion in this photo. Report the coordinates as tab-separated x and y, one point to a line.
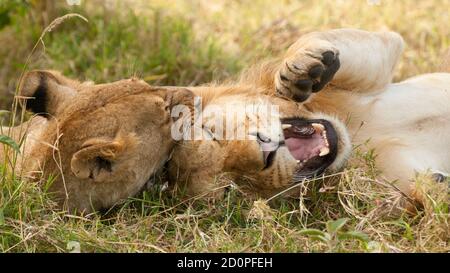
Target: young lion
407	123
100	144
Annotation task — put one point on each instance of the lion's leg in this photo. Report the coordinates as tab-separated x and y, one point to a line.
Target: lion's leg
26	134
347	58
402	164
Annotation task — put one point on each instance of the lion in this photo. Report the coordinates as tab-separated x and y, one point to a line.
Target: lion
333	90
93	146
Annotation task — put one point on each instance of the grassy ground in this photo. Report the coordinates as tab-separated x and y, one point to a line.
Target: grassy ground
192	42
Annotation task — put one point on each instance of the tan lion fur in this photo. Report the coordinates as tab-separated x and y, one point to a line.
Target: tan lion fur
100	143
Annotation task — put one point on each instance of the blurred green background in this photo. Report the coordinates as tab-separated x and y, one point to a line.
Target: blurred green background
192	42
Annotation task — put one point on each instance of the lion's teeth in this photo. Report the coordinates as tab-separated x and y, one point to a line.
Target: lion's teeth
318	126
325	138
286	126
298	161
324	151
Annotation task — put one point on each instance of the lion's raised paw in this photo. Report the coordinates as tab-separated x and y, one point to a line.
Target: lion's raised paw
306	72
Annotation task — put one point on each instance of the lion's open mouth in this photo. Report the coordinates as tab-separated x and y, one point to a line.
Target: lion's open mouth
313	143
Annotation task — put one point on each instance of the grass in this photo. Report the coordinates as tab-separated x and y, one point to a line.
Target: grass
193	42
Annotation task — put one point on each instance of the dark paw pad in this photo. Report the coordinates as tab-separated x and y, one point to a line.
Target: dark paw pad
307	74
332	64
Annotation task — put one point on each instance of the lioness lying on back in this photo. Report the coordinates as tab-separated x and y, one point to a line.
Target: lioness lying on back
407	123
103	142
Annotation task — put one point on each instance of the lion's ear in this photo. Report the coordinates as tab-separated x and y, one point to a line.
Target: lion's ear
180	100
47	91
100	159
179	96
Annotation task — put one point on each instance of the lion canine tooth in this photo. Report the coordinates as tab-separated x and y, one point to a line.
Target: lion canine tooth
318	126
324	151
298	161
286	126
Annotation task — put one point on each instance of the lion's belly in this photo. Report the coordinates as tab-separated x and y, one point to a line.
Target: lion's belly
414	114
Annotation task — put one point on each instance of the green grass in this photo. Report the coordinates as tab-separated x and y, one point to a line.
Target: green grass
188	43
114	44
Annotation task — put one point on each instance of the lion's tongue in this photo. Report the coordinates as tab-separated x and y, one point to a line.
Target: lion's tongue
305	148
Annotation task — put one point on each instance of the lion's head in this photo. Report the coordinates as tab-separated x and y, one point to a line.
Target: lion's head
102	142
268	150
